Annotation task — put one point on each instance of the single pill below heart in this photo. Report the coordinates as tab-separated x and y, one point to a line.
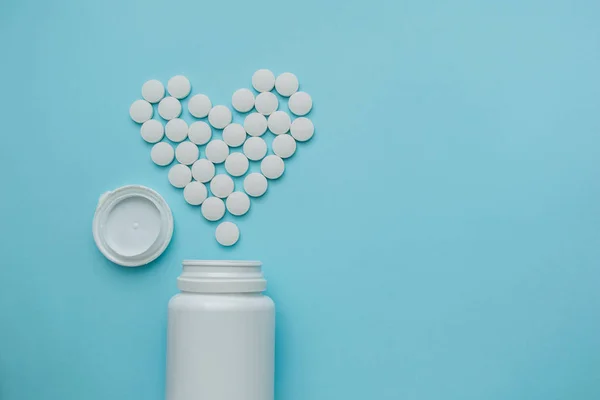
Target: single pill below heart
227	233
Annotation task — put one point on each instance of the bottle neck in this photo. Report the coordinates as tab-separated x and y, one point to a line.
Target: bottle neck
230	277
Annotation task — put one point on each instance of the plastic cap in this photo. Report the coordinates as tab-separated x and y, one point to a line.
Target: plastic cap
133	225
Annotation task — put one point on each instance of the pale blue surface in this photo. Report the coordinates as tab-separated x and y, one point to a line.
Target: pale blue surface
438	239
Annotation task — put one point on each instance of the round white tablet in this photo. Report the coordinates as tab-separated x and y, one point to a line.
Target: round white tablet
302	129
300	103
279	122
203	170
169	108
236	164
255	148
152	131
272	167
200	132
255	124
213	208
227	233
266	103
162	154
176	130
187	152
255	184
221	185
284	146
234	135
242	100
238	203
153	91
219	116
199	105
179	87
180	175
141	111
217	151
263	80
286	84
195	193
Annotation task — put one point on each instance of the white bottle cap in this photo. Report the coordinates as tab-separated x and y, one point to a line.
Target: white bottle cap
132	225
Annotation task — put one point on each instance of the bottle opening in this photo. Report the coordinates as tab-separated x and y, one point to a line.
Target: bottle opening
224	276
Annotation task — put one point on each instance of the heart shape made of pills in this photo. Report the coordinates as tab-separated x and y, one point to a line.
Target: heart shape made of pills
195	169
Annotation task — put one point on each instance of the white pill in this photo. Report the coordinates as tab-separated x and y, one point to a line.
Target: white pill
279	122
284	146
180	175
203	170
236	164
227	233
266	103
169	108
255	124
200	132
255	184
219	116
141	111
217	151
152	131
238	203
199	105
302	129
221	185
153	91
286	84
234	135
263	80
162	154
176	130
255	148
179	87
195	193
242	100
187	153
213	208
272	167
300	103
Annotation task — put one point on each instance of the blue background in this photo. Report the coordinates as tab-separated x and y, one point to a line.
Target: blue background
439	238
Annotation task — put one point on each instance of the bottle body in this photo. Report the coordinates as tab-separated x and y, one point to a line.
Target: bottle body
220	346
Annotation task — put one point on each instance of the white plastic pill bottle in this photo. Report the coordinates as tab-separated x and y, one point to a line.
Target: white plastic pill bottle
221	333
